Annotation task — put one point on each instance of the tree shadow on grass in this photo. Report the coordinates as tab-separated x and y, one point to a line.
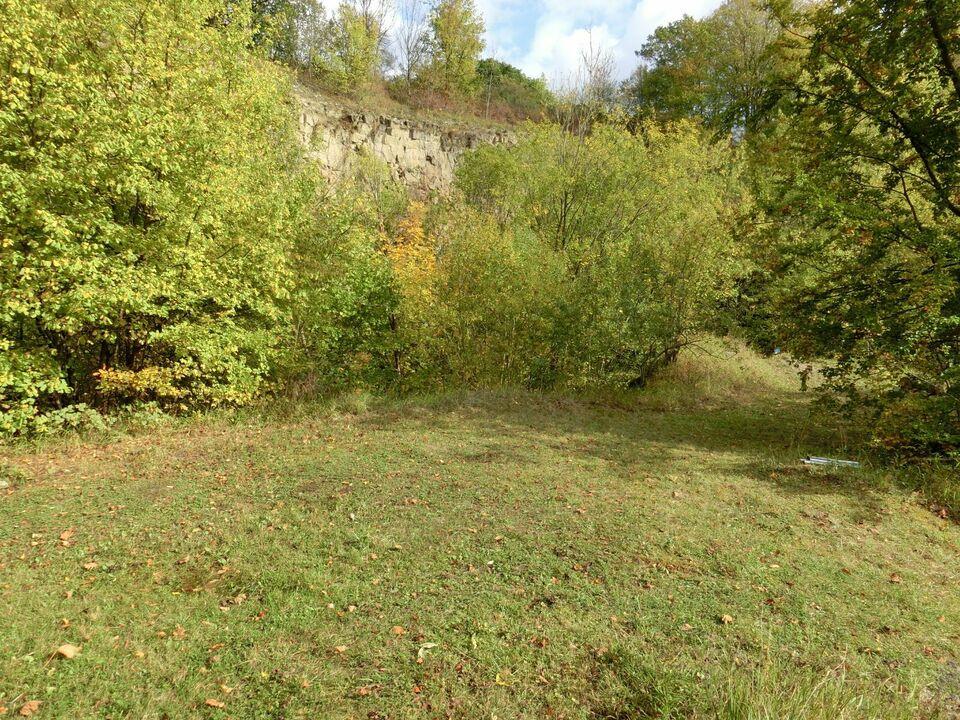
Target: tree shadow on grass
761	441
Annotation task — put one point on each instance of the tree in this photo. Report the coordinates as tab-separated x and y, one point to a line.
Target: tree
350	49
867	176
723	69
412	38
288	29
148	190
456	41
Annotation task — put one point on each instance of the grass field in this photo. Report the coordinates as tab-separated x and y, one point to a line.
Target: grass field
492	555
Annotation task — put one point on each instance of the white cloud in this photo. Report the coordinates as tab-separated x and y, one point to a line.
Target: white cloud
548	37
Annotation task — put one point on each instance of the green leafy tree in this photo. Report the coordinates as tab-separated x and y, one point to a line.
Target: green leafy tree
289	30
725	69
348	55
866	166
456	41
148	191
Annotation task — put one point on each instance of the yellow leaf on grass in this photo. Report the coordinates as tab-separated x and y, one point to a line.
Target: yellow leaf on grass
68	651
30	707
213	702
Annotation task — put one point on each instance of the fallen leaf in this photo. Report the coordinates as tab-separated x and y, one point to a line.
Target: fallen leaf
397	630
30	707
423	649
340	649
68	651
65	537
213	702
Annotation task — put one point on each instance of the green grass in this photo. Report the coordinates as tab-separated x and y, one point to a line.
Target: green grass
540	556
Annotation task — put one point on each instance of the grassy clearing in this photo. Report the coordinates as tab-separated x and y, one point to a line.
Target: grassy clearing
492	555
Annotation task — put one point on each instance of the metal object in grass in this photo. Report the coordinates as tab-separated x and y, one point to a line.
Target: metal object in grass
812	460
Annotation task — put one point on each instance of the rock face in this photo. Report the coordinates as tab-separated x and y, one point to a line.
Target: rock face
421	155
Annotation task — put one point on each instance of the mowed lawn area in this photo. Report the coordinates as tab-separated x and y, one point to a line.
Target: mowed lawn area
487	555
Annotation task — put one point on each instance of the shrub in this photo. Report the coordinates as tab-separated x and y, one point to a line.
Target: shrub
146	168
497	300
343	300
638	223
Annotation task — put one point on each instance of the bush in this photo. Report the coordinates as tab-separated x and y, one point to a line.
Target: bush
345	296
639	225
511	95
490	307
148	192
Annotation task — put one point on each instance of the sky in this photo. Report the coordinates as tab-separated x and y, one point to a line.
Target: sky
547	37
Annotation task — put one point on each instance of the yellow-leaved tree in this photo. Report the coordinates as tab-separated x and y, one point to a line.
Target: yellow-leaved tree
150	188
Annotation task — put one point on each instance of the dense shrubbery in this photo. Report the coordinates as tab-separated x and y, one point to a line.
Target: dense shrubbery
164	241
507	93
579	260
160	234
147	188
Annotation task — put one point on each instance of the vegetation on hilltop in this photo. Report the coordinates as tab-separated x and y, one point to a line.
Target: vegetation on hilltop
424	55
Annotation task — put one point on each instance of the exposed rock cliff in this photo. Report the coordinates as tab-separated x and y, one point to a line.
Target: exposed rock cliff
421	155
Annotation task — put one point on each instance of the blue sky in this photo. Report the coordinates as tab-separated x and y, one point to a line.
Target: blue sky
544	37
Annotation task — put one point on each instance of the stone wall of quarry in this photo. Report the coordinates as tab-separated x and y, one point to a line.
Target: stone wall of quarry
421	155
